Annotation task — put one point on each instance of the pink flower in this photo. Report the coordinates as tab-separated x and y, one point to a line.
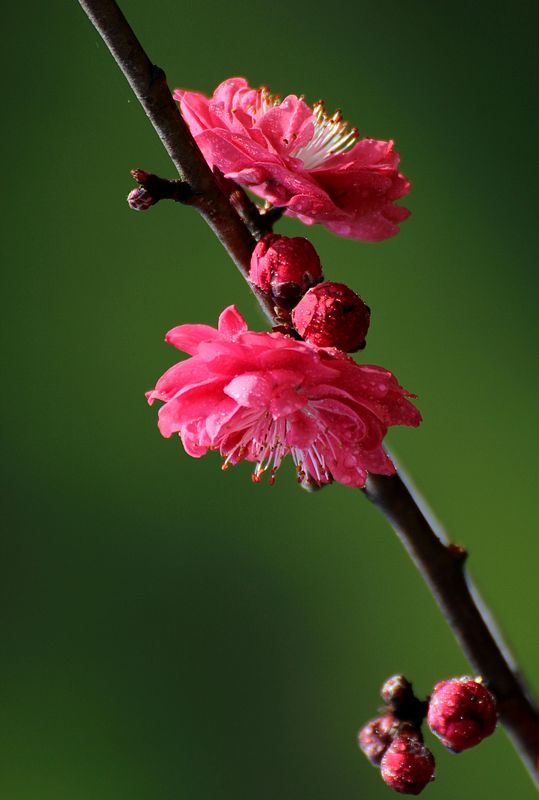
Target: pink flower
299	158
261	396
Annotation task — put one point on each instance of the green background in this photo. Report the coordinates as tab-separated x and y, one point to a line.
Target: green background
170	631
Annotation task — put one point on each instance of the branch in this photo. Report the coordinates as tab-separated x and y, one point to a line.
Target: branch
230	214
442	566
151	189
150	87
257	221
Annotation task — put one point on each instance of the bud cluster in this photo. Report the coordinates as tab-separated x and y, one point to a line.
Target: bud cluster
460	711
324	313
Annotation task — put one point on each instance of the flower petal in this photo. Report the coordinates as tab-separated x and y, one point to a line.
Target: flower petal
253	391
188	337
231	323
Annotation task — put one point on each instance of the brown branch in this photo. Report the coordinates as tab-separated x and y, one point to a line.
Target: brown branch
151	189
442	566
257	221
150	87
271	216
226	209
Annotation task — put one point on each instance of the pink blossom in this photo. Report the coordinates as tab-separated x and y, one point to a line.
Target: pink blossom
261	396
298	157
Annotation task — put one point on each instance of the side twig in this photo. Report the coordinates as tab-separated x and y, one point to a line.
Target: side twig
151	189
227	211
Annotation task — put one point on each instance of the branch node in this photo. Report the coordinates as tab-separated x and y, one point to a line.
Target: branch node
157	75
457	552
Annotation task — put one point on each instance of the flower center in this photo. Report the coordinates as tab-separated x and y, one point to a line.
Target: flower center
264	441
331	136
264	101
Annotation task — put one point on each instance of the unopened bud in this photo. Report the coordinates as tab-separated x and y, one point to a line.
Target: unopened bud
395	690
376	736
462	712
407	765
332	315
285	267
140	199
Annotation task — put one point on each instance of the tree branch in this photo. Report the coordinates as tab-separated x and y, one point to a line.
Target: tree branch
229	212
442	566
150	87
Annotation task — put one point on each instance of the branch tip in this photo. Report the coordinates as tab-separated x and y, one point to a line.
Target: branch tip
152	189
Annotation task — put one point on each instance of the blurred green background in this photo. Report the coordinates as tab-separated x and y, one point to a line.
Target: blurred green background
170	631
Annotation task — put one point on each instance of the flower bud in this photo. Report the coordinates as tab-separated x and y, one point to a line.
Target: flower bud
285	267
140	199
376	736
332	315
395	690
407	765
462	712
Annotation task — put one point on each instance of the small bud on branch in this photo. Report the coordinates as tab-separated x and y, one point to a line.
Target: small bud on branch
462	712
152	189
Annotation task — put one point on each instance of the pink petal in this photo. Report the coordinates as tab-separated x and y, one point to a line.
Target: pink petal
232	152
189	372
288	126
195	110
225	358
188	337
226	91
253	391
222	420
303	430
191	404
194	439
231	323
286	401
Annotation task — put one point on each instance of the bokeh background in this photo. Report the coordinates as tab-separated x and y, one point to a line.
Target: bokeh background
170	631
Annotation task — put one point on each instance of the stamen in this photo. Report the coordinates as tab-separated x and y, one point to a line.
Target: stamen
264	440
266	99
331	136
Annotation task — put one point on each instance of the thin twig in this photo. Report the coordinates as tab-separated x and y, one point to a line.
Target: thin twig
441	565
271	216
151	190
258	221
259	224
